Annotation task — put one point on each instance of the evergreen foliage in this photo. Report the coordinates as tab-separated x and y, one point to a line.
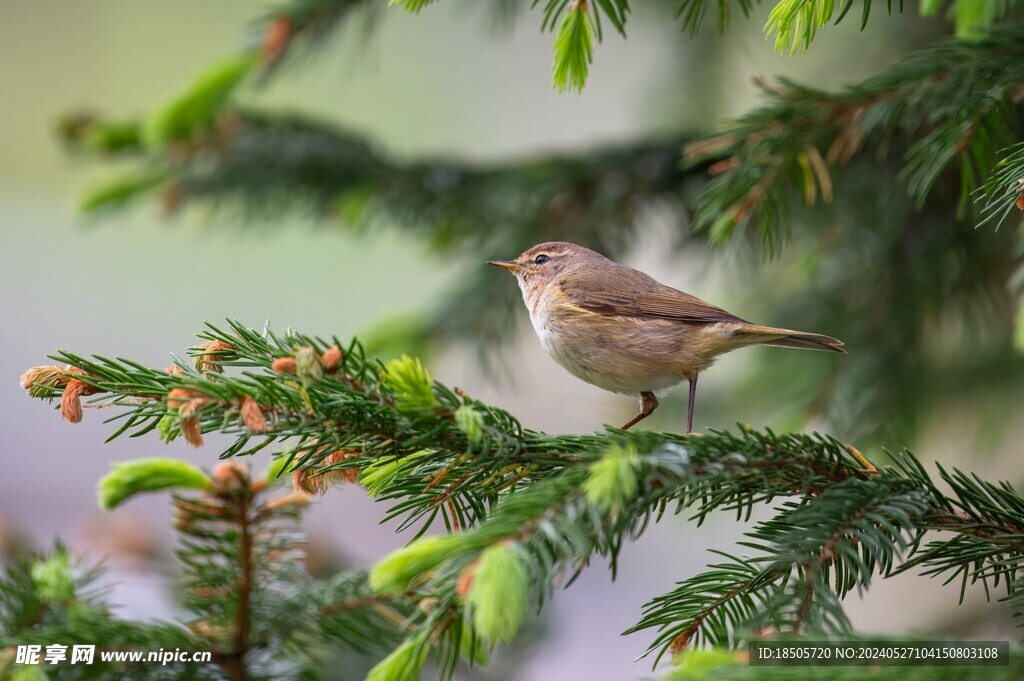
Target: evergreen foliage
250	603
524	511
894	197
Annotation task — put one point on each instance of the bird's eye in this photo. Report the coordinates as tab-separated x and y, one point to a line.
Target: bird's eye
541	259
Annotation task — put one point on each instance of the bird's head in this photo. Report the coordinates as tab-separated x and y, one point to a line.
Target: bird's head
541	264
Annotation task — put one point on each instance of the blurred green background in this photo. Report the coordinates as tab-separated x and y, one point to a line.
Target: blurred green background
138	284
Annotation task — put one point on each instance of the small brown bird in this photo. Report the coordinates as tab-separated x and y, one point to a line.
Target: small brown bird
619	329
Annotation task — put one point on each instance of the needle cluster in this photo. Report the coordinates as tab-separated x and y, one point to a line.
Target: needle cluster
247	599
525	512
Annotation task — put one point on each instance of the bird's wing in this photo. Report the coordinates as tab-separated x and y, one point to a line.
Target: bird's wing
623	291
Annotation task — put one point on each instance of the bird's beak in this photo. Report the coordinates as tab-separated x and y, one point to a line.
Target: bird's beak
510	265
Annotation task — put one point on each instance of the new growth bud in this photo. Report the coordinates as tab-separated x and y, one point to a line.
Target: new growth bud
377	477
411	384
148	475
400	569
470	421
403	664
498	592
307	366
54	578
612	479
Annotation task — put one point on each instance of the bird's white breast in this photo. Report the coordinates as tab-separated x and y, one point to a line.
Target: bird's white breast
539	317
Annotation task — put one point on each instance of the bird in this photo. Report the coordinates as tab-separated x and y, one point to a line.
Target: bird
621	330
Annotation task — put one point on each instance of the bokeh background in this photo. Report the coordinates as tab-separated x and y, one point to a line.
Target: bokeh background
138	284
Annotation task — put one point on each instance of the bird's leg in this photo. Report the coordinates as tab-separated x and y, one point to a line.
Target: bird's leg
648	403
689	406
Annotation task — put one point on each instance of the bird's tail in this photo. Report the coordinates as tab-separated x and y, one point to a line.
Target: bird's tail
787	338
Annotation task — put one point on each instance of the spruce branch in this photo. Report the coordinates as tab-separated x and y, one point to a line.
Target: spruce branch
48	598
945	107
969	17
301	27
527	511
574	47
250	602
578	23
794	23
265	164
987	519
710	608
265	160
1001	191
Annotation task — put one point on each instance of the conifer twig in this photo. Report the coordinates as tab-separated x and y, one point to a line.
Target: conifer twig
432	451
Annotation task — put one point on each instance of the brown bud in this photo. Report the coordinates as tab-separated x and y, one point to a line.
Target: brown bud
178	398
349	475
205	629
331	359
723	166
175	370
680	642
71	403
49	375
306	480
284	365
191	430
465	581
229	474
252	415
276	39
71	400
185	403
206	362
